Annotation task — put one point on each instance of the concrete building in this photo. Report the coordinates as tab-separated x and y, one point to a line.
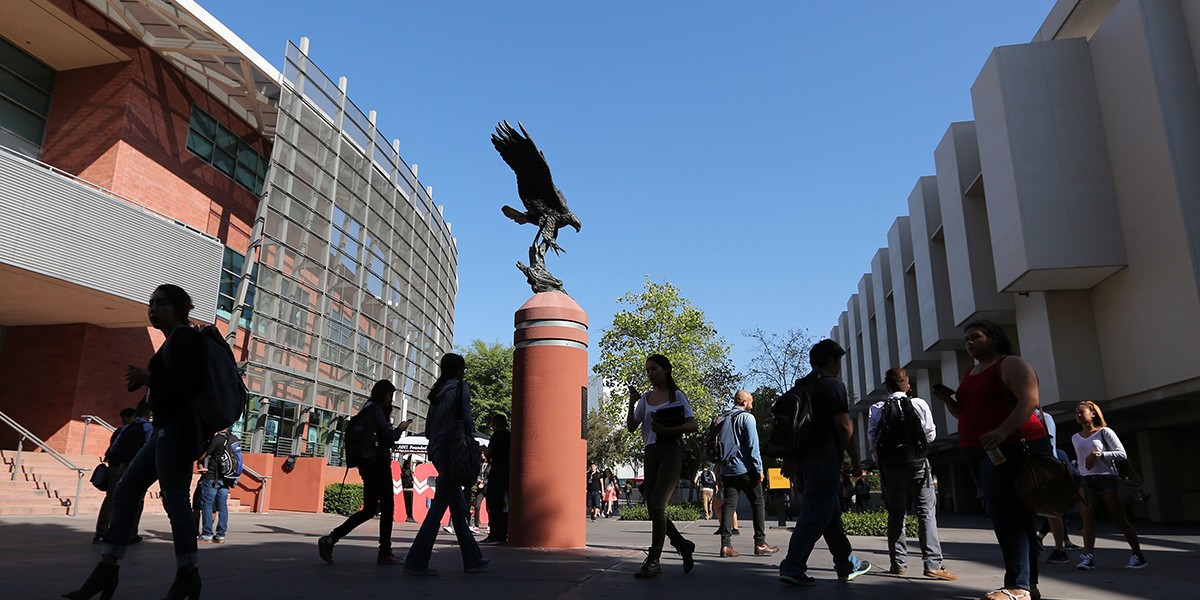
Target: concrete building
141	143
1069	212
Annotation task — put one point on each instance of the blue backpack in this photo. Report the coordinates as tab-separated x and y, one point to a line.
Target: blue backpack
231	460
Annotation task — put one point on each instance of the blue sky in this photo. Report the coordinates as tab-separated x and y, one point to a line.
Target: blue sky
753	154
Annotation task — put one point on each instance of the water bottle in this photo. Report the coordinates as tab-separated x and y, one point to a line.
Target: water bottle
995	455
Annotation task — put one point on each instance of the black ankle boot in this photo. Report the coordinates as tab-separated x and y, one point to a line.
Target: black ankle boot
103	581
186	584
686	550
650	568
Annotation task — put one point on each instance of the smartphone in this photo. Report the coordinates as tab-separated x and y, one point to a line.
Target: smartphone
942	389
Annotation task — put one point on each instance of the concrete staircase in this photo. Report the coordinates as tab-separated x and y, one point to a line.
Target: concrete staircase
44	486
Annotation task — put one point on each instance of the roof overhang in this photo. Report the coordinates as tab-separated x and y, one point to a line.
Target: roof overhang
199	45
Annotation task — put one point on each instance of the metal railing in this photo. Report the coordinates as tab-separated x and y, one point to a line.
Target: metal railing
262	487
27	435
87	420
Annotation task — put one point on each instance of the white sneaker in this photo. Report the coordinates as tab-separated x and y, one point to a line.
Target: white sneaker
449	529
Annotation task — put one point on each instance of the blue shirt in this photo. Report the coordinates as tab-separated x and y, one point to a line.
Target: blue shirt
747	459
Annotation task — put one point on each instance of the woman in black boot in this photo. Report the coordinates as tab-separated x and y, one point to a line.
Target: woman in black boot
664	415
173	376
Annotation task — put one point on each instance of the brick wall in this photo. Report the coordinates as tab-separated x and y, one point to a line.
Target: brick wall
54	374
125	126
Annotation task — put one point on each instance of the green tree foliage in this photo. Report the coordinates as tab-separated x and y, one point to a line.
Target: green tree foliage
660	320
489	373
609	444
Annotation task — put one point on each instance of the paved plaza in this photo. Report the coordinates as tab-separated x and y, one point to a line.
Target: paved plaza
275	556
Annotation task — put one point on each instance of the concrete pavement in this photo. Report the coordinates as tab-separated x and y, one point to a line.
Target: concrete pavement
275	556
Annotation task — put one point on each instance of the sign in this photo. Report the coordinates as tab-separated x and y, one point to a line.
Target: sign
776	480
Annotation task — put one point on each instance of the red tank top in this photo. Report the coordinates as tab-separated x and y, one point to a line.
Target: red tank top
984	403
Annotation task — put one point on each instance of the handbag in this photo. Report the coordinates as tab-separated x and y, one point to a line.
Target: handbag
1129	480
464	460
99	477
1045	485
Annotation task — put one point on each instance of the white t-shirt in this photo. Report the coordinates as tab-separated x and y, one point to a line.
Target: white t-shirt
1105	440
642	412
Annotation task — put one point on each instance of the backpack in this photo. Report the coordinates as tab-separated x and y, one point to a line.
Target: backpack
899	437
223	395
362	441
792	420
720	443
231	460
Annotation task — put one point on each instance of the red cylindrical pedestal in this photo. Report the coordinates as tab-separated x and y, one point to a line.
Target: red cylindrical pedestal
549	454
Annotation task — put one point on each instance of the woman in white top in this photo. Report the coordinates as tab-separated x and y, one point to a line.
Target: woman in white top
664	456
1096	448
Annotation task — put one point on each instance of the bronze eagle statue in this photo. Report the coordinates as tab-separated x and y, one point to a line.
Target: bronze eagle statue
544	203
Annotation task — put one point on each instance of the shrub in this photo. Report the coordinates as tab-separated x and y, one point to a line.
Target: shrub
875	524
343	501
675	512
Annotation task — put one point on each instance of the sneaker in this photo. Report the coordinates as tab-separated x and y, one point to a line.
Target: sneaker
419	571
216	539
410	520
388	559
449	529
863	567
1137	561
204	539
1086	562
1057	557
1069	545
482	565
474	529
325	548
803	580
735	531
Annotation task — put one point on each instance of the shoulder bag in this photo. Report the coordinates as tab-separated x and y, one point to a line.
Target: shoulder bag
1044	484
99	477
1131	484
464	461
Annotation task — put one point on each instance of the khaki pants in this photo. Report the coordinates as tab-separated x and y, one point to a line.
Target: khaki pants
706	502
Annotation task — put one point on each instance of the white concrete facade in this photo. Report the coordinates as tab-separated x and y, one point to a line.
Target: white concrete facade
1068	211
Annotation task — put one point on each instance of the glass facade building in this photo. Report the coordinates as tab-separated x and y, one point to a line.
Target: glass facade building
356	274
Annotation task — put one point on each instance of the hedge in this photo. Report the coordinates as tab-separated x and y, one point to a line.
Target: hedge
875	523
675	512
343	501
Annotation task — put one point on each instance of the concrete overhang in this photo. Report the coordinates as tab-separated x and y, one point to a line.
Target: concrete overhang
54	37
31	298
202	47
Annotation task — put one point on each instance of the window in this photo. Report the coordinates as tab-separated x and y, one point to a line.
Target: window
231	275
25	86
230	154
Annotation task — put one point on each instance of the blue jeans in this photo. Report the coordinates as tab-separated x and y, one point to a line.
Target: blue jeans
451	497
166	458
1013	524
213	490
820	516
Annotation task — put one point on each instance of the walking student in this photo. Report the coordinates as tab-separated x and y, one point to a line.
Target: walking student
994	405
819	467
173	376
215	480
706	481
899	430
499	447
124	444
664	416
742	471
1097	447
449	410
595	495
376	475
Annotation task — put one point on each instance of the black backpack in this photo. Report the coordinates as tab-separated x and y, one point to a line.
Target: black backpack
719	440
362	441
899	437
792	420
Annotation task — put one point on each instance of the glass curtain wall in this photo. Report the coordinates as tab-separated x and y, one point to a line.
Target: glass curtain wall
357	274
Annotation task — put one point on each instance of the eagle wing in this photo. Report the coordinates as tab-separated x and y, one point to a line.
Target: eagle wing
534	184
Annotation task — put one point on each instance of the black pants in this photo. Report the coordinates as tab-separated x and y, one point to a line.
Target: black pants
377	500
408	500
752	487
497	508
664	463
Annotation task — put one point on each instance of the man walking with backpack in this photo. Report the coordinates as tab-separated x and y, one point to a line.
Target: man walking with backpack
899	430
741	471
706	482
219	467
818	464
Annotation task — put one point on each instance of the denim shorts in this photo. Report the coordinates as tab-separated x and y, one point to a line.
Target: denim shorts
1101	484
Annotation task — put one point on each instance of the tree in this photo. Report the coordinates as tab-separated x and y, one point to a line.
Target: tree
489	373
609	445
779	359
660	320
764	400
